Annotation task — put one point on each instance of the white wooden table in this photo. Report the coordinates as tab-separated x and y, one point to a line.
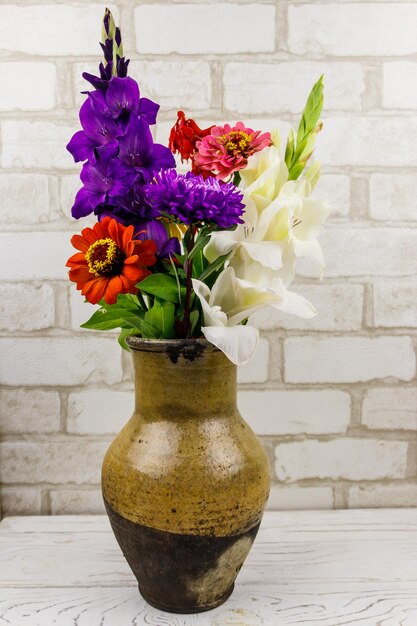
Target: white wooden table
315	568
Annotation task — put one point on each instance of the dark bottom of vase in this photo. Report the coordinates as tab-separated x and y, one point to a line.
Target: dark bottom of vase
181	573
162	606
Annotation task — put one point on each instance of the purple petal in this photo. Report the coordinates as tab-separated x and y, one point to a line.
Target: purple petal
97	127
85	203
162	157
136	143
171	247
122	95
149	110
80	146
155	230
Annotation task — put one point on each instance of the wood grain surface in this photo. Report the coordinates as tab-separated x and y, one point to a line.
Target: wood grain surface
315	568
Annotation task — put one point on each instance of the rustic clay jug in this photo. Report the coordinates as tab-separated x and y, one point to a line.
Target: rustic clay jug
186	481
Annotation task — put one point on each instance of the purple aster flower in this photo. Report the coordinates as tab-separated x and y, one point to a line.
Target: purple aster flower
194	200
155	230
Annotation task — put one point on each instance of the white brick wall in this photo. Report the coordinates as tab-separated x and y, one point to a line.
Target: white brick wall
228	28
334	399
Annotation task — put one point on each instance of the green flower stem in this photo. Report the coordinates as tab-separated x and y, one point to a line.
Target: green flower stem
188	266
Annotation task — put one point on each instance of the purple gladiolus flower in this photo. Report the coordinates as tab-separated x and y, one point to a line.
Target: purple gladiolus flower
195	200
104	177
139	152
155	230
106	114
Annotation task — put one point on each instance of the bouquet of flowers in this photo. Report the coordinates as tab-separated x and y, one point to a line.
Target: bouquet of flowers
181	255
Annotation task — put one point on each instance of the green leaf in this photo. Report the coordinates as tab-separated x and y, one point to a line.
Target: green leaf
312	111
128	301
119	317
162	286
213	267
124	333
201	242
298	152
199	264
162	317
194	320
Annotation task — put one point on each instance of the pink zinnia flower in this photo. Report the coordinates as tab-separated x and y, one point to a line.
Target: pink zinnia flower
227	148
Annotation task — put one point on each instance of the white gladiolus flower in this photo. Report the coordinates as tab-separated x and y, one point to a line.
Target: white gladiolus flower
232	300
267	245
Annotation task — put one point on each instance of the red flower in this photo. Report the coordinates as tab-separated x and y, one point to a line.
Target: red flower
184	135
109	261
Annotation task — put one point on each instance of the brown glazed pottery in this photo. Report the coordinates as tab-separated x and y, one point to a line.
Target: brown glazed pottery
186	481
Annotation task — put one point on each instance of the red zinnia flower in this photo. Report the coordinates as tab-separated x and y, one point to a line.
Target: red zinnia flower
109	261
184	135
227	148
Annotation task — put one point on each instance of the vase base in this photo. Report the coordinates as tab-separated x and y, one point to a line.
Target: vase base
201	608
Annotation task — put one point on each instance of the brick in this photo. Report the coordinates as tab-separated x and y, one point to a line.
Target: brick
69	186
366	252
391	409
76	502
380	29
165	28
52	462
392	197
45	255
15	501
281	86
348	359
25	198
299	498
349	458
382	496
295	412
26	307
399	85
39	144
173	84
57	30
345	141
27	86
60	361
80	310
29	411
99	411
339	308
336	187
256	371
395	305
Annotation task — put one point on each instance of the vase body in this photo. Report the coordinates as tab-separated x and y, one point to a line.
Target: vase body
186	481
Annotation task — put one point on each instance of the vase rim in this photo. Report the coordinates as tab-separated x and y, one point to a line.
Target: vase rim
142	344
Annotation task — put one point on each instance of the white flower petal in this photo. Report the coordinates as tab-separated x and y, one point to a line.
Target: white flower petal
268	253
238	343
213	315
294	304
221	243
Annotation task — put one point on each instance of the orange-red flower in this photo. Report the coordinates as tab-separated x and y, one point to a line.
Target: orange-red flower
110	261
183	138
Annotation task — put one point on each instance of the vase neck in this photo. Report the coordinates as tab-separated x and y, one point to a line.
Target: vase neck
177	385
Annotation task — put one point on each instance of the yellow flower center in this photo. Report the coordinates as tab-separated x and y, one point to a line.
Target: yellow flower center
237	142
104	258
